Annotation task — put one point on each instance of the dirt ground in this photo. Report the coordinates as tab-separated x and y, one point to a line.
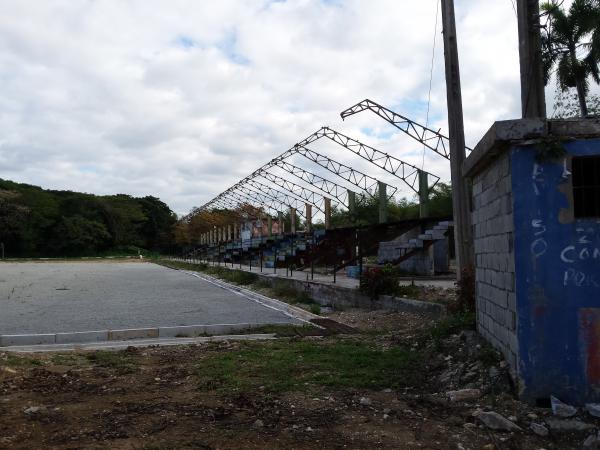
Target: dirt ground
292	393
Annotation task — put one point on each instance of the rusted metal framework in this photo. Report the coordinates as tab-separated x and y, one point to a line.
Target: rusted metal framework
431	139
402	170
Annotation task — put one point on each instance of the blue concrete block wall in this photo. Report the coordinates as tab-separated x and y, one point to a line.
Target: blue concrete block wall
557	262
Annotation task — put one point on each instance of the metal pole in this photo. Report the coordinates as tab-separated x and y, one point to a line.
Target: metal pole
533	101
460	199
423	194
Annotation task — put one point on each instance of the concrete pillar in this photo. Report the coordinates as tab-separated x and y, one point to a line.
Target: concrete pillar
293	220
423	194
270	225
308	217
280	218
352	204
235	230
229	235
383	212
327	208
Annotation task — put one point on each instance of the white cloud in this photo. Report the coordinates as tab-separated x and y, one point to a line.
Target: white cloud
180	99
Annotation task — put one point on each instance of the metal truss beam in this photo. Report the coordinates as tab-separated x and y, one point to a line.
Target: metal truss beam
406	172
352	176
276	194
233	205
265	199
330	188
431	139
242	197
308	195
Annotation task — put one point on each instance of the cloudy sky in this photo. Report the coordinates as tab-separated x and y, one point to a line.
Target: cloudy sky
180	99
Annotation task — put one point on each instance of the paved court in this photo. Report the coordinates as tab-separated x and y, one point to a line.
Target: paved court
54	297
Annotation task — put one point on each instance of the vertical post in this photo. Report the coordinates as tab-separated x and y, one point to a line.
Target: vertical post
308	209
460	200
352	205
292	220
383	210
2	249
270	225
533	101
423	194
235	231
280	219
327	208
229	234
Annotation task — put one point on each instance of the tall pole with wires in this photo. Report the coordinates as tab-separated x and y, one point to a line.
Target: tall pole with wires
533	101
460	200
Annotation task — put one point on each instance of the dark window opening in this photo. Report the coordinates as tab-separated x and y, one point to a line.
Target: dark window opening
586	186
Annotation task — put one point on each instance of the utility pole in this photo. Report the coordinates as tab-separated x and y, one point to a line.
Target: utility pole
533	101
460	194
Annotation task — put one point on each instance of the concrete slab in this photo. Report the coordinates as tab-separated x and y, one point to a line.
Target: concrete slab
52	297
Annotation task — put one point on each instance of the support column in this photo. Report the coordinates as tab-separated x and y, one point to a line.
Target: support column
352	204
456	135
423	194
308	217
327	208
235	231
229	235
293	220
270	225
533	99
383	212
280	218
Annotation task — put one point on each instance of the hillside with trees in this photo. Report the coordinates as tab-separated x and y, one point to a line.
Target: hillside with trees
35	222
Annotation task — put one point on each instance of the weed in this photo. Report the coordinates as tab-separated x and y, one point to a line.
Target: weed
293	365
411	291
315	308
19	361
121	362
450	325
69	359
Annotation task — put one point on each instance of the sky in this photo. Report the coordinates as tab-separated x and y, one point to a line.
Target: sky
181	99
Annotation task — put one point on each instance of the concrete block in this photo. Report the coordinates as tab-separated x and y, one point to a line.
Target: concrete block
512	301
8	340
137	333
81	337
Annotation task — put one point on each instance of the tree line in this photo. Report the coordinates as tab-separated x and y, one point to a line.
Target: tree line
35	222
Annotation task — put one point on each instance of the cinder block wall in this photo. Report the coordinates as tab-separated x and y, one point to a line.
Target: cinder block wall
493	231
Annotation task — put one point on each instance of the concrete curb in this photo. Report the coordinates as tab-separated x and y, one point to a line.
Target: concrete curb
117	345
189	331
289	310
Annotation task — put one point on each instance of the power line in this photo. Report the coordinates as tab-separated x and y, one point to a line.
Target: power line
437	10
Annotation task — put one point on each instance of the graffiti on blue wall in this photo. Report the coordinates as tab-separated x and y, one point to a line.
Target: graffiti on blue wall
557	262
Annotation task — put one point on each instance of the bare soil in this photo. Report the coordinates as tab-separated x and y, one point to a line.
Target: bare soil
223	395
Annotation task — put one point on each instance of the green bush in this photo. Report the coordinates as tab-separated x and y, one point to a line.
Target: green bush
379	281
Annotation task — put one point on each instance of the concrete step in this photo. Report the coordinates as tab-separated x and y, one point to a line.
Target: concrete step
416	243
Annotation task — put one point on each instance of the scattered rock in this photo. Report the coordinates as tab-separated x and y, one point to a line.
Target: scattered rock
593	409
365	401
463	394
539	429
562	409
532	416
259	423
495	421
33	410
592	442
568	425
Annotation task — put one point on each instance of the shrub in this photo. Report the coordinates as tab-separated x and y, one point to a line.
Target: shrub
379	281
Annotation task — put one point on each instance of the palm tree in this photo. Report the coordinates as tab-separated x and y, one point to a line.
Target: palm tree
571	42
